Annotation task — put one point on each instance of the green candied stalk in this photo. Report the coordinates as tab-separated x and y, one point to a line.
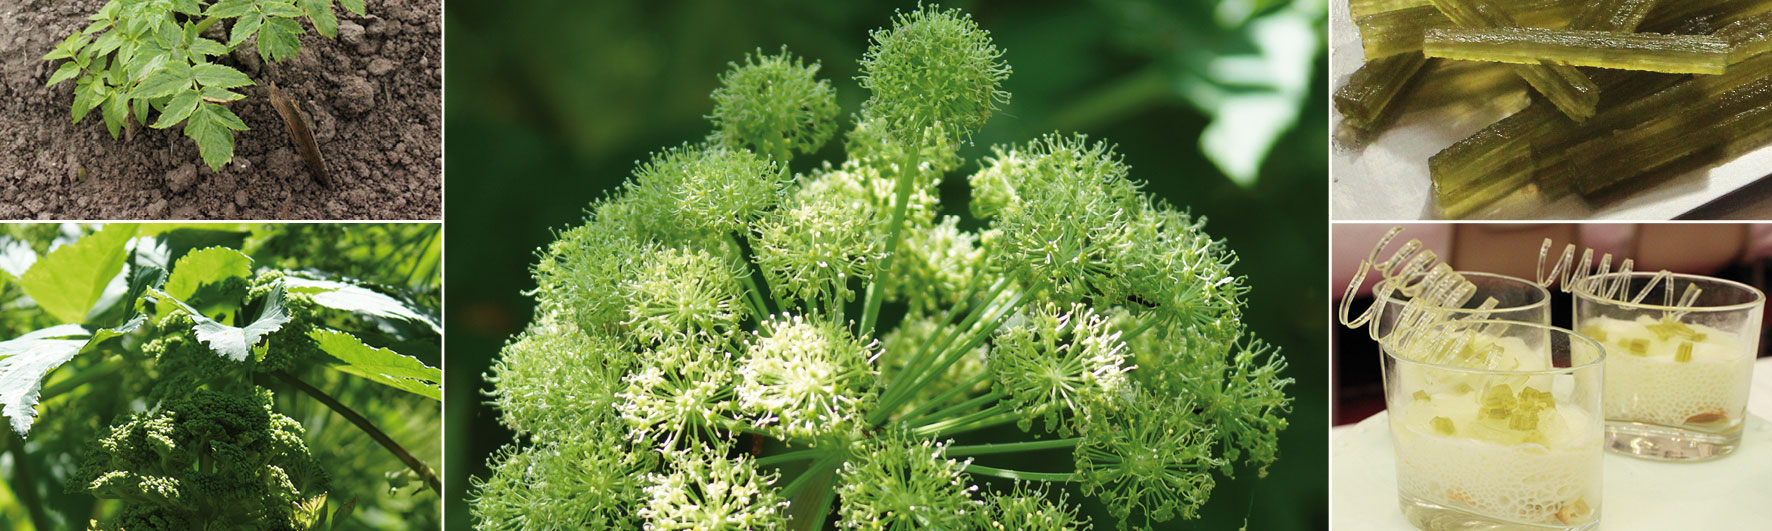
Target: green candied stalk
1649	52
1387	33
1678	15
1605	162
1490	164
1366	100
1361	8
1748	37
1613	15
1567	88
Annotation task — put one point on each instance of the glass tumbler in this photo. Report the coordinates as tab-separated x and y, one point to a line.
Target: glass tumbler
1678	375
1517	300
1501	432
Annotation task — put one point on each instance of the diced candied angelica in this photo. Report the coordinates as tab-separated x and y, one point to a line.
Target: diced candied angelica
1371	91
1498	397
1443	426
1672	54
1666	329
1637	347
1684	353
1422	396
1523	419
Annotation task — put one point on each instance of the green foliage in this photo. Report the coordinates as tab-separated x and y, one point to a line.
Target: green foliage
152	56
202	435
719	337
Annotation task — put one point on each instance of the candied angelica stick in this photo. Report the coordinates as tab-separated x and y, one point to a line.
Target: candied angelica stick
1673	15
1567	88
1604	162
1387	33
1361	8
1613	15
1748	37
1370	92
1650	52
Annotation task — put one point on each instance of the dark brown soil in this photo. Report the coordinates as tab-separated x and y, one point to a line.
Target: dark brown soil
374	97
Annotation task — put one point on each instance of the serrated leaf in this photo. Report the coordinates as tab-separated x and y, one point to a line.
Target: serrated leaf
229	8
86	98
206	266
279	39
208	48
25	361
354	6
172	78
168	33
212	94
178	109
140	107
67	71
188	7
280	9
380	365
211	126
116	113
320	13
246	26
234	343
67	282
107	44
214	75
358	299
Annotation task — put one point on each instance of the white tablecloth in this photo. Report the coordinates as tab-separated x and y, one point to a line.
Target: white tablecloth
1734	492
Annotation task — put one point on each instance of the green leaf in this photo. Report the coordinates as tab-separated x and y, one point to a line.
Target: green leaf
229	8
178	109
86	98
67	71
68	281
281	9
216	95
357	299
211	126
25	361
380	365
208	48
279	39
235	343
245	27
206	266
107	43
213	75
320	13
354	6
116	113
174	77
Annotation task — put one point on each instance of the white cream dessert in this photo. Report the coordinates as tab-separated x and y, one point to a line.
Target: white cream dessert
1666	372
1501	446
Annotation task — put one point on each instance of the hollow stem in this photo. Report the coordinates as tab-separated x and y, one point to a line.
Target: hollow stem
901	203
419	467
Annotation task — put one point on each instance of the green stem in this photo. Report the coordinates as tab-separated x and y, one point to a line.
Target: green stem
950	355
947	412
956	429
940	425
1142	327
1021	475
962	387
876	290
897	391
419	467
81	378
789	457
206	23
758	304
803	513
1004	448
818	467
24	484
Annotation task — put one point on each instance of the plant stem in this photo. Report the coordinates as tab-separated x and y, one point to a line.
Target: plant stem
25	484
939	425
1142	327
907	172
804	516
206	23
1001	419
81	378
760	305
793	487
950	411
419	467
1004	448
957	389
790	456
1021	475
897	392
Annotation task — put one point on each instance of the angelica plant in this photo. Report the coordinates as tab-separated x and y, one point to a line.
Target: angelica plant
197	357
155	57
725	344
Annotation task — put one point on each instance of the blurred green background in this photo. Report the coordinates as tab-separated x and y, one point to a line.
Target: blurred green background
1219	104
